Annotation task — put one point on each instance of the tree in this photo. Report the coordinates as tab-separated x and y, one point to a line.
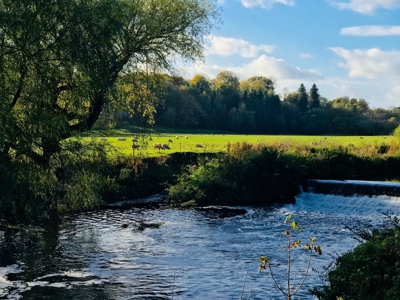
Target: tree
59	61
227	86
258	83
290	290
202	84
227	78
139	93
314	98
302	100
340	102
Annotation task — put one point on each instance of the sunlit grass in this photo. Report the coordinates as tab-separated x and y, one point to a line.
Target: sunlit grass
122	142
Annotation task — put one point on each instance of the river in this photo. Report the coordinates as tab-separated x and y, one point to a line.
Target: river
104	255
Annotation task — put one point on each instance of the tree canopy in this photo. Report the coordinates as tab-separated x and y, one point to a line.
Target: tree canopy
60	61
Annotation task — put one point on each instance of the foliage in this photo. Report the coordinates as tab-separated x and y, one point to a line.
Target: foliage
314	97
290	290
260	174
139	93
252	106
370	271
247	175
302	99
59	62
396	132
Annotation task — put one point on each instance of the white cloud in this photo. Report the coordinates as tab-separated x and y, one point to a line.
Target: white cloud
262	66
375	91
394	96
278	68
224	46
368	7
267	4
371	30
370	63
305	55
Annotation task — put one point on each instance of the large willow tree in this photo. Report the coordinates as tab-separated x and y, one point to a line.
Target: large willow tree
59	59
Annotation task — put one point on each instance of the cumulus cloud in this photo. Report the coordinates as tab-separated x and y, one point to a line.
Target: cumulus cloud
369	63
267	4
278	68
368	7
371	30
224	46
262	66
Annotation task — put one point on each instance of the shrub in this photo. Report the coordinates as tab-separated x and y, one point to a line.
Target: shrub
370	272
247	176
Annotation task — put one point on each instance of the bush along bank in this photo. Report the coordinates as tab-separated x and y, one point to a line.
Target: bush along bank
142	177
246	177
81	178
254	175
371	271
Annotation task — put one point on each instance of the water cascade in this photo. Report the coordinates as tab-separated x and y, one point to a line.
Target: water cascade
354	187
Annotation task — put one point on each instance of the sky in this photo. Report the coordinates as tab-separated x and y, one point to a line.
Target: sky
346	47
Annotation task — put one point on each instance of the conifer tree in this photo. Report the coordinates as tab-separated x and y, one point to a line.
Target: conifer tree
314	97
302	99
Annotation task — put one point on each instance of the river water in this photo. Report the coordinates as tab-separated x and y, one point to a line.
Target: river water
104	255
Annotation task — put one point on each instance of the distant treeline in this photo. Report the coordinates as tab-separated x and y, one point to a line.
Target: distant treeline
248	106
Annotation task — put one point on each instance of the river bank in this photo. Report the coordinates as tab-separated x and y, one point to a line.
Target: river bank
247	174
250	175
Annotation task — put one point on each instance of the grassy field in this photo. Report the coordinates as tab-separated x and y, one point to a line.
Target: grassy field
178	142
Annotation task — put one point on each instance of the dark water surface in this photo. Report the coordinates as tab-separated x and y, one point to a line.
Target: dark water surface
92	256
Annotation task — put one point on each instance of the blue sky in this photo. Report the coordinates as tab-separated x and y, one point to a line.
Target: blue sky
346	47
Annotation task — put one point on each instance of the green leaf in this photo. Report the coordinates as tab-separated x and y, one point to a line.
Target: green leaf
288	217
296	226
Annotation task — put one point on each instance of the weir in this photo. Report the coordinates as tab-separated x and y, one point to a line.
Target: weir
353	187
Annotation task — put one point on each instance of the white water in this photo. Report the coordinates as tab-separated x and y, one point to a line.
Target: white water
190	256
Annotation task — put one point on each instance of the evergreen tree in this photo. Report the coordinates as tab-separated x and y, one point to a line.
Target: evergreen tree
302	99
314	97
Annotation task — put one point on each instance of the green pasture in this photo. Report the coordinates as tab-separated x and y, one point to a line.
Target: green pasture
218	142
